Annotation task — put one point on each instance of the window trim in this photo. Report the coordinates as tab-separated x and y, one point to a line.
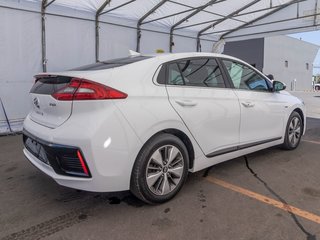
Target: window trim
176	61
269	84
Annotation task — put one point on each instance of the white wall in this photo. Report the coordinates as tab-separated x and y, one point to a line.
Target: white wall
151	41
20	51
206	46
70	43
279	49
116	41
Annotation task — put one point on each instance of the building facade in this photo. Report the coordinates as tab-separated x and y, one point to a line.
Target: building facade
288	59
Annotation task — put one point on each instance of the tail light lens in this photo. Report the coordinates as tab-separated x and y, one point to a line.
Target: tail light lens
80	89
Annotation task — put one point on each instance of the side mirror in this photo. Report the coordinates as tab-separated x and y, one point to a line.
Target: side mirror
278	86
270	76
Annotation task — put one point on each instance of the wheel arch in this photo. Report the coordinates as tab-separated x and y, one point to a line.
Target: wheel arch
183	137
300	112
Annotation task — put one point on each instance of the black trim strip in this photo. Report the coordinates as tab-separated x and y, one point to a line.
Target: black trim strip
56	155
240	147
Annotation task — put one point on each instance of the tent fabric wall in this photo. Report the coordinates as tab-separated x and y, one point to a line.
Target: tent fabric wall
70	34
20	48
70	43
116	41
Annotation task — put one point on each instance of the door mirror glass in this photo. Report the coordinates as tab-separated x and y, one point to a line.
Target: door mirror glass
278	86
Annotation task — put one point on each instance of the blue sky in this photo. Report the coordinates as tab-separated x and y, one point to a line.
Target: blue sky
312	37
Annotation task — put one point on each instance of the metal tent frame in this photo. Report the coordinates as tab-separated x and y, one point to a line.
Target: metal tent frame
199	9
194	22
225	34
44	5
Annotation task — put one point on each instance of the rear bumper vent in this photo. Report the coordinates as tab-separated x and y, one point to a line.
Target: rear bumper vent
65	160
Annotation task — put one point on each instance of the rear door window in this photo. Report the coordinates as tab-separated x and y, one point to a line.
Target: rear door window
196	72
174	75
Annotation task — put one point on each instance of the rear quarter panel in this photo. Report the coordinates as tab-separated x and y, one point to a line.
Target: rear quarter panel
147	108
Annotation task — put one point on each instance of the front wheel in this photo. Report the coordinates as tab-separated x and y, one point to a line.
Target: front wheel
293	131
160	169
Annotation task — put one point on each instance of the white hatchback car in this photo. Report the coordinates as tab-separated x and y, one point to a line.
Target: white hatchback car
143	122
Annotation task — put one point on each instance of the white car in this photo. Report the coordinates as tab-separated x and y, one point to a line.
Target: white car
143	122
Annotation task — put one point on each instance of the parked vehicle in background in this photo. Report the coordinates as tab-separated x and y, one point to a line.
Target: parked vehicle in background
142	123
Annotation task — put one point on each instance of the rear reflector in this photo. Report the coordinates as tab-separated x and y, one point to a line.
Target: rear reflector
80	89
83	165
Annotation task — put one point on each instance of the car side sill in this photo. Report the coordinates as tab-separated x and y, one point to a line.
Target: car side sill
240	147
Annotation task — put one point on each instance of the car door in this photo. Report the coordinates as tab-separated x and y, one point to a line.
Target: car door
262	111
209	108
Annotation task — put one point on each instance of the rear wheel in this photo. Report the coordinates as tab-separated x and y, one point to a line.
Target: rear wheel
160	169
317	88
293	131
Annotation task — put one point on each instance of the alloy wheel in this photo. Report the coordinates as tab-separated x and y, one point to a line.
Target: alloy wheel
294	131
164	170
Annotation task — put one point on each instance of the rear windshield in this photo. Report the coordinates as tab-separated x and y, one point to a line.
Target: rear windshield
113	63
49	84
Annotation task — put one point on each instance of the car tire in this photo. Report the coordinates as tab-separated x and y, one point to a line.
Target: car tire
294	131
317	88
160	169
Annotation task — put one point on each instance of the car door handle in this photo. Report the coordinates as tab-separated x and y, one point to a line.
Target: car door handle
247	104
186	103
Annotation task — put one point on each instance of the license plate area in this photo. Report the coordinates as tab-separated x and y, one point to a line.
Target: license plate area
36	149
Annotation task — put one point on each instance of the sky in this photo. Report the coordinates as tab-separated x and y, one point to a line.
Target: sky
312	37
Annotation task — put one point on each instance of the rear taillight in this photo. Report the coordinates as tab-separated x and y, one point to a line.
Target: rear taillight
80	89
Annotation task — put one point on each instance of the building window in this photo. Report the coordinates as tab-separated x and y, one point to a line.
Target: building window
286	63
307	66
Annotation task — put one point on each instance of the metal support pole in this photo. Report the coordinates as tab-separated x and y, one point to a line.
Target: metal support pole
199	9
5	115
44	5
143	18
315	13
98	13
261	17
222	20
43	35
198	42
117	7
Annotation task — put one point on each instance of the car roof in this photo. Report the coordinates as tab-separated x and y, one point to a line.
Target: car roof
174	56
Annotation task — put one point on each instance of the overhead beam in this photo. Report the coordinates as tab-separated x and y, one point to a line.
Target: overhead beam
261	17
229	16
218	19
206	11
44	5
199	9
117	7
167	16
281	30
140	21
266	23
48	4
97	40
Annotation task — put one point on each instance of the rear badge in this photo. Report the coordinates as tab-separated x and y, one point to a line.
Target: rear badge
36	102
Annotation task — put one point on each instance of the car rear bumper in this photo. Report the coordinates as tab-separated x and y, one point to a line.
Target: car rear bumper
109	152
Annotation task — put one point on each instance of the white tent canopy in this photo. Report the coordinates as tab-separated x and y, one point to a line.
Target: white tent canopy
213	18
54	35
